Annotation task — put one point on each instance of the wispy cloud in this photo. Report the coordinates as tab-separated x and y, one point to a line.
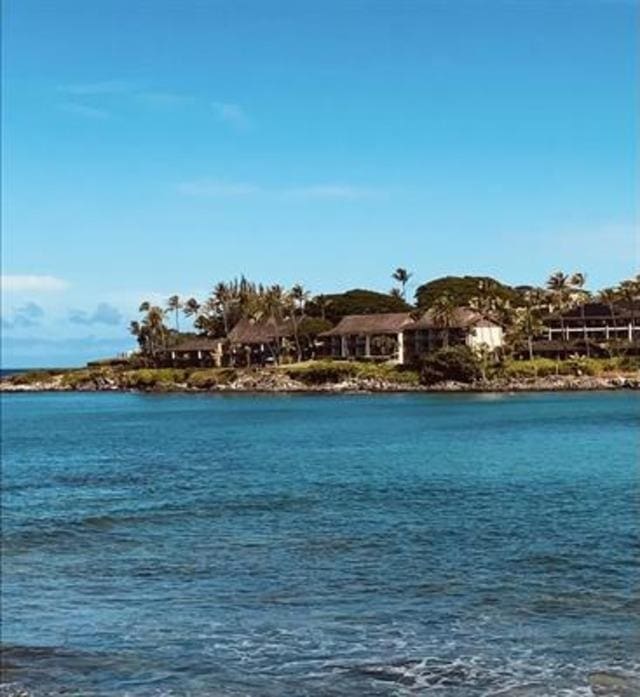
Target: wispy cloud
329	191
231	114
103	314
89	99
10	283
28	315
212	188
93	89
89	112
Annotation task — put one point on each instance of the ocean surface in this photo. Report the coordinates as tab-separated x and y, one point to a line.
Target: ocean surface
276	546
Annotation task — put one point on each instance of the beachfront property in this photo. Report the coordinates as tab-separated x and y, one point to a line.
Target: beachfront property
199	351
402	338
253	342
594	321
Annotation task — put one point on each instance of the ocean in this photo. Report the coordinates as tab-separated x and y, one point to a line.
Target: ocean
268	546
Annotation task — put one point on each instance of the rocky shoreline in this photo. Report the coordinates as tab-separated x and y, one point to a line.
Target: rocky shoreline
275	382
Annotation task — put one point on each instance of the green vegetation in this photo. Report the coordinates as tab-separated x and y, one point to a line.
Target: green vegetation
334	307
331	372
457	363
462	290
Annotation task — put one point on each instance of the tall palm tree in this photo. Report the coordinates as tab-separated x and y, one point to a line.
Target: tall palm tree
174	304
402	276
577	283
298	298
444	310
527	321
559	286
191	308
629	294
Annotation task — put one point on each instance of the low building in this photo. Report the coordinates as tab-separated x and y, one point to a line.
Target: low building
377	336
464	327
253	342
401	338
595	321
197	351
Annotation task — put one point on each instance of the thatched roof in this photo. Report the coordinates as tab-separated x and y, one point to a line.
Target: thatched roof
392	323
248	331
384	323
198	343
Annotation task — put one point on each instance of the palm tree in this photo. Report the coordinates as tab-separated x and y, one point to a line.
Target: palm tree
174	304
191	308
559	286
577	283
298	298
629	294
402	276
527	321
144	306
444	310
323	303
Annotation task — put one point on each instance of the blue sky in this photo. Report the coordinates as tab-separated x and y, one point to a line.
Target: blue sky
157	146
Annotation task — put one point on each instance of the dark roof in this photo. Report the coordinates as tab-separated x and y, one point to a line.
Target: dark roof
248	331
199	343
462	318
599	311
383	323
392	323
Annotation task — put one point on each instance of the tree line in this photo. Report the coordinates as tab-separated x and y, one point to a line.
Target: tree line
520	310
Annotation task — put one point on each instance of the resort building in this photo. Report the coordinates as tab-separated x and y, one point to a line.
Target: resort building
595	321
379	336
199	351
253	342
400	337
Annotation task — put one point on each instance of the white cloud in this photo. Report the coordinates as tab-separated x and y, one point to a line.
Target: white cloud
328	191
232	114
33	284
92	89
84	110
211	188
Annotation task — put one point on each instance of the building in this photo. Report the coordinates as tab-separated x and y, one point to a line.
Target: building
594	321
379	336
400	337
198	351
464	327
253	342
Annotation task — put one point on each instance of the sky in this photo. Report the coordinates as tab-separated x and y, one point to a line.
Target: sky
153	147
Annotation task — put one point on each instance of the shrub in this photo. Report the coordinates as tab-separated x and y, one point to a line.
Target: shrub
457	363
320	372
206	379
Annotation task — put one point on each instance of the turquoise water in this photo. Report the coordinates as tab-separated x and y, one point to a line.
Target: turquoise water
338	545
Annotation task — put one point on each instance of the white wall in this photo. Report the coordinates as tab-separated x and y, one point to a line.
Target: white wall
492	337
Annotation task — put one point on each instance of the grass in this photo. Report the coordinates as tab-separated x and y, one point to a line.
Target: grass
544	367
327	371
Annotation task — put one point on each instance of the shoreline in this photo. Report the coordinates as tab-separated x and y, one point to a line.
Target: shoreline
272	382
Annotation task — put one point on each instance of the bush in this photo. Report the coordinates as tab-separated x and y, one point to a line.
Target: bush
206	379
148	378
457	363
320	372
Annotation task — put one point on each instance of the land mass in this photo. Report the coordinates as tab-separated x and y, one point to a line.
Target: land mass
320	377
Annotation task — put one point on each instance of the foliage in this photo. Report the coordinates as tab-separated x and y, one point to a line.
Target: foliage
32	377
335	306
462	290
204	379
330	372
457	363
